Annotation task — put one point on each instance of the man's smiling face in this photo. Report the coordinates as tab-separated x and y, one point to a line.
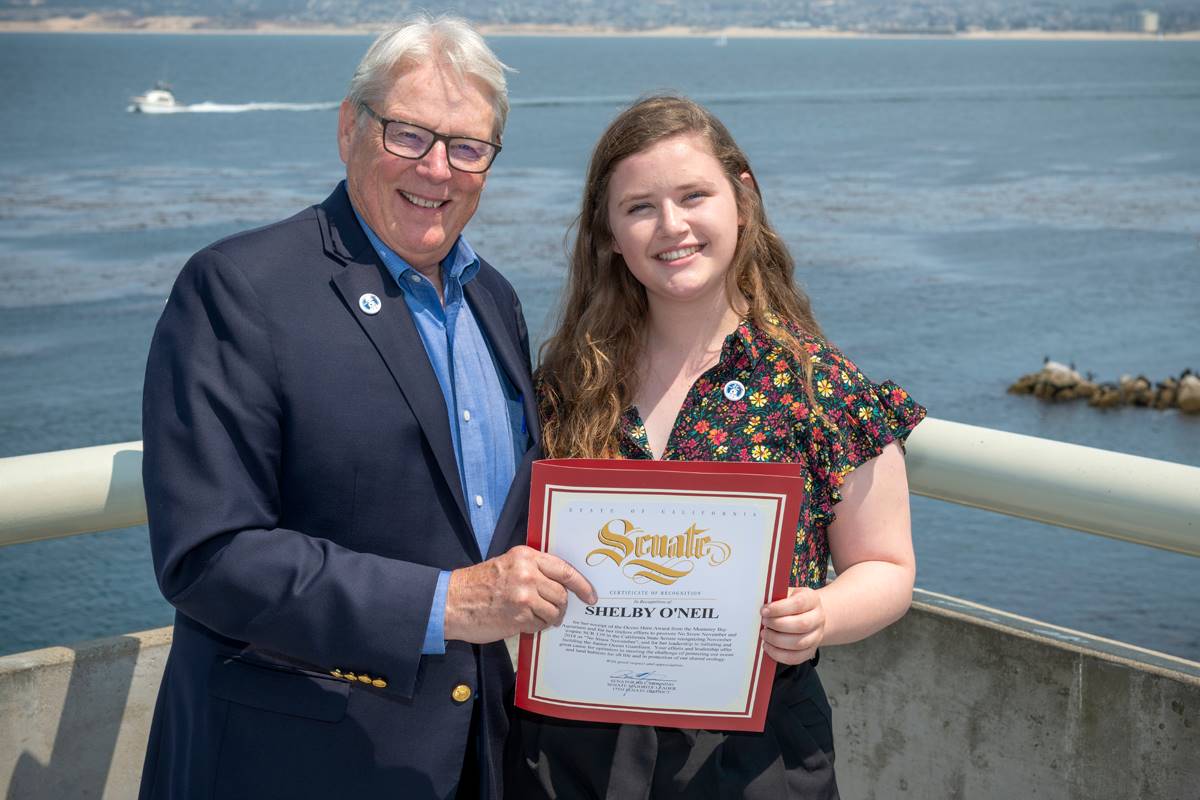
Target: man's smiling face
418	207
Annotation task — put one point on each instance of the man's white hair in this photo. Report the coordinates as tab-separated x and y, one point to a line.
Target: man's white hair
421	38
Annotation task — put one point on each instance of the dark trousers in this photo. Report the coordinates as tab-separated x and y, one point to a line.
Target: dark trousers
791	758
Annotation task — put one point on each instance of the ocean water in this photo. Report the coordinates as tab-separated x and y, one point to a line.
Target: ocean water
958	211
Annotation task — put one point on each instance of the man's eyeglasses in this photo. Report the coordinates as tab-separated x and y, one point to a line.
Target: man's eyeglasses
407	140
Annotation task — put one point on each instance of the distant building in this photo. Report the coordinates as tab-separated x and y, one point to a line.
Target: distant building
1148	21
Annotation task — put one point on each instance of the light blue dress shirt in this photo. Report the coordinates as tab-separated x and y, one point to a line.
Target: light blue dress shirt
486	416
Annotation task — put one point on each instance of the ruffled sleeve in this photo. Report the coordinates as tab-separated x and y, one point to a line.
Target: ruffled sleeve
854	420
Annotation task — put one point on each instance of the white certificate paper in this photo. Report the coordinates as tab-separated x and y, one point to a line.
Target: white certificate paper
682	556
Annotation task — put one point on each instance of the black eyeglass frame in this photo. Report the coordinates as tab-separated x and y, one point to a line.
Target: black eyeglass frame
437	137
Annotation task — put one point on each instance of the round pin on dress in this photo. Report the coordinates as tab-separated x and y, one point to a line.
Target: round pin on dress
735	390
370	304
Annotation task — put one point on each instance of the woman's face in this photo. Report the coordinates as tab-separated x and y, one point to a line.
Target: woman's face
674	219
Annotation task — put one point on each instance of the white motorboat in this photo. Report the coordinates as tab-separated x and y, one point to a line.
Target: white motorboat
156	101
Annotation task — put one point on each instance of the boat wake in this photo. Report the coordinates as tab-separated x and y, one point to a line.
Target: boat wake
233	108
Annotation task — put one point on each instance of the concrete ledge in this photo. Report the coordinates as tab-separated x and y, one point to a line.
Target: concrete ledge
74	720
954	701
962	701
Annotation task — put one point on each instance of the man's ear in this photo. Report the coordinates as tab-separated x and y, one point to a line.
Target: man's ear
347	123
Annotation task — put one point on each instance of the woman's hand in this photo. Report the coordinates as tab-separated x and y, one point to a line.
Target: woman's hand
794	627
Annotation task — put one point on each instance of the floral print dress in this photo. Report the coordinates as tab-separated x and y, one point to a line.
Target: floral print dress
752	406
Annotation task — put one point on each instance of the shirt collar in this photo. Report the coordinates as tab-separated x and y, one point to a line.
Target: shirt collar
460	264
755	341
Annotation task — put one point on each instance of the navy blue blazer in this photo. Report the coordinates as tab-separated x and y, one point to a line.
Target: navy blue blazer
303	494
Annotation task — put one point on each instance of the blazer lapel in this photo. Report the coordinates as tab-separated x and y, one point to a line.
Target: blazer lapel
394	335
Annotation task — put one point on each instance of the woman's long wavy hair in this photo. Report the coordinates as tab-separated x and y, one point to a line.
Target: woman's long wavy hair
588	367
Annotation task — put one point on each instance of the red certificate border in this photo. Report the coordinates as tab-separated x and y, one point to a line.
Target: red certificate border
780	482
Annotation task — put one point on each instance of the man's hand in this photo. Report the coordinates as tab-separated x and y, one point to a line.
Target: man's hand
522	591
794	627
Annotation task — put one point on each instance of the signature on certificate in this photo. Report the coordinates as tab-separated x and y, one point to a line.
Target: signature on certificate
628	673
627	681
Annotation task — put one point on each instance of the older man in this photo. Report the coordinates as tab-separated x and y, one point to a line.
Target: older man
336	407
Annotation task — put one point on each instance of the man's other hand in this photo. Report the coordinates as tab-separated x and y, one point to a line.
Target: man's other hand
522	591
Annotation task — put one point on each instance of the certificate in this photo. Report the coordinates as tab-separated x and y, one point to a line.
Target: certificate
682	556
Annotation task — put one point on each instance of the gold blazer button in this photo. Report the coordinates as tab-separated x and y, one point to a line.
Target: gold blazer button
337	673
379	683
461	693
350	676
364	678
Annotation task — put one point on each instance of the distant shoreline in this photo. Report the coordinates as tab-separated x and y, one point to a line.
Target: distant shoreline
108	23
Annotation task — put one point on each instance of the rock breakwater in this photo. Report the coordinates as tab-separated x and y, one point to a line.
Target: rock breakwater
1056	382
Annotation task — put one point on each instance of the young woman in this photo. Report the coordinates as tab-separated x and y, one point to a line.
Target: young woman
684	336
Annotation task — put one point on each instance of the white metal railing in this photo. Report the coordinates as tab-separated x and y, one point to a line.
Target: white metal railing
1135	499
1141	500
47	495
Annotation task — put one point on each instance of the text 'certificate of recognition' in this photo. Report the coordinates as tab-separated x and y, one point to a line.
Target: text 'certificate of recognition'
682	555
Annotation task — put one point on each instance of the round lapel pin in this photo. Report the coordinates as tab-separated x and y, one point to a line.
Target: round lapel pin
735	390
369	304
